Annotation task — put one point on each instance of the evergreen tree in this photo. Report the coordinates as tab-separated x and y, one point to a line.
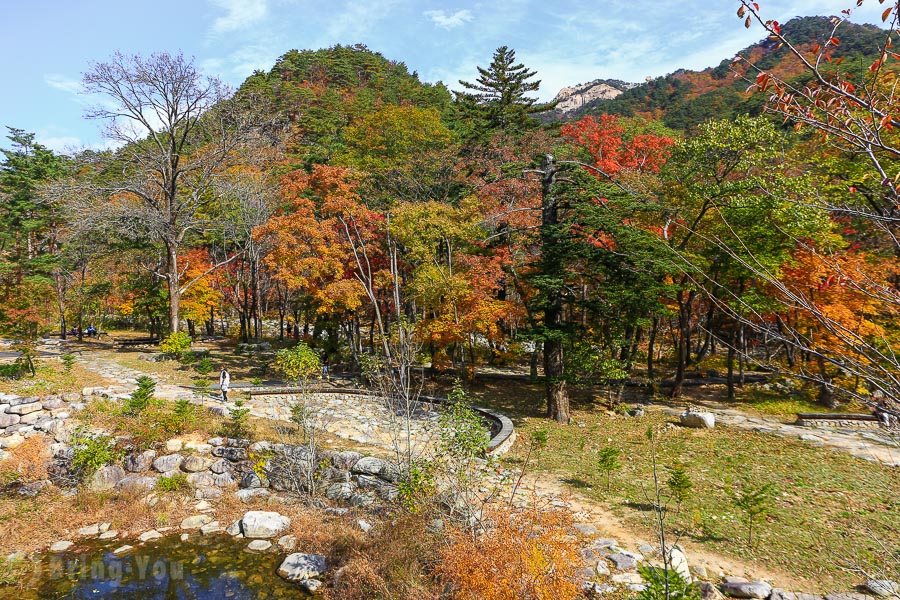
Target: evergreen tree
498	100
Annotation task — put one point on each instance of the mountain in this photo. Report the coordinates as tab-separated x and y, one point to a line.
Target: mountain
686	98
571	99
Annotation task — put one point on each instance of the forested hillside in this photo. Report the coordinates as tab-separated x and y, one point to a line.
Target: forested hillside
684	99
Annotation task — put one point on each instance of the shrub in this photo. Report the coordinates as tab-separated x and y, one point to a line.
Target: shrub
68	361
528	553
204	366
238	424
297	364
175	483
175	344
183	416
187	358
608	461
140	398
665	584
92	451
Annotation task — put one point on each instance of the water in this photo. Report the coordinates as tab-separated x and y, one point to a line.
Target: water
204	567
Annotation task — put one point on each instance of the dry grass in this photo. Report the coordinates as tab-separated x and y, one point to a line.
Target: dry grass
27	462
830	507
51	378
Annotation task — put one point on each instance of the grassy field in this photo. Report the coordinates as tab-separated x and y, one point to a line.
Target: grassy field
829	510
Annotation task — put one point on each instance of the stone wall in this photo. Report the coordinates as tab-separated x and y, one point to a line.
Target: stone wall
24	416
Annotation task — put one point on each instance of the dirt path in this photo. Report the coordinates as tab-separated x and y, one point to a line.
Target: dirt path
609	525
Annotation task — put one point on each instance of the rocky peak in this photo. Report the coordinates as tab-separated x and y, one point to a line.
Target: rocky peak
570	99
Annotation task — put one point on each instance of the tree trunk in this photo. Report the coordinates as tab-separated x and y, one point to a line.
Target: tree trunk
683	346
554	373
651	347
172	280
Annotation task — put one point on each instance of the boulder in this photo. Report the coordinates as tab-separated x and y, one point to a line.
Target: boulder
195	464
201	480
339	491
288	543
298	566
263	524
229	453
746	589
24	409
149	535
220	466
259	545
8	419
678	563
345	460
698	420
61	546
139	463
174	445
170	462
106	478
195	522
251	480
370	465
247	494
136	483
224	480
883	588
623	562
11	441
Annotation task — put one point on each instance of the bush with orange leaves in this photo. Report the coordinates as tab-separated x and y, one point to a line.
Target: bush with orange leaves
526	553
26	463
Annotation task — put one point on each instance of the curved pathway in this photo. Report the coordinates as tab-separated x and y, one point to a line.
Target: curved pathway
365	421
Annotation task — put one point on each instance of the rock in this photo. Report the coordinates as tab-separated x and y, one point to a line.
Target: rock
149	535
169	462
709	592
263	524
780	594
234	529
210	493
61	546
259	545
198	447
698	420
7	420
364	525
90	530
746	589
339	491
699	571
11	441
136	483
108	535
195	522
678	563
211	527
195	464
224	480
585	528
201	480
288	542
220	466
51	403
626	578
251	480
370	465
883	588
237	442
848	596
623	562
345	460
174	446
232	454
139	463
310	585
297	567
121	550
247	494
106	478
360	500
24	409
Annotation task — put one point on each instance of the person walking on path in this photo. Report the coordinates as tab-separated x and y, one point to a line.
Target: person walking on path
324	365
224	383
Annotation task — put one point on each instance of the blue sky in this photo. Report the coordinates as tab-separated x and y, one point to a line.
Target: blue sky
46	45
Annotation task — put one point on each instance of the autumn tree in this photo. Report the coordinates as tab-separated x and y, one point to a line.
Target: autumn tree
855	112
178	129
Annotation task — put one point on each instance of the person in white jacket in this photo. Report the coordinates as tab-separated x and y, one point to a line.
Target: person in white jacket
224	383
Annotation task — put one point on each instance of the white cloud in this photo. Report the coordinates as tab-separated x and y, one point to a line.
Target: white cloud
63	83
240	14
448	22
